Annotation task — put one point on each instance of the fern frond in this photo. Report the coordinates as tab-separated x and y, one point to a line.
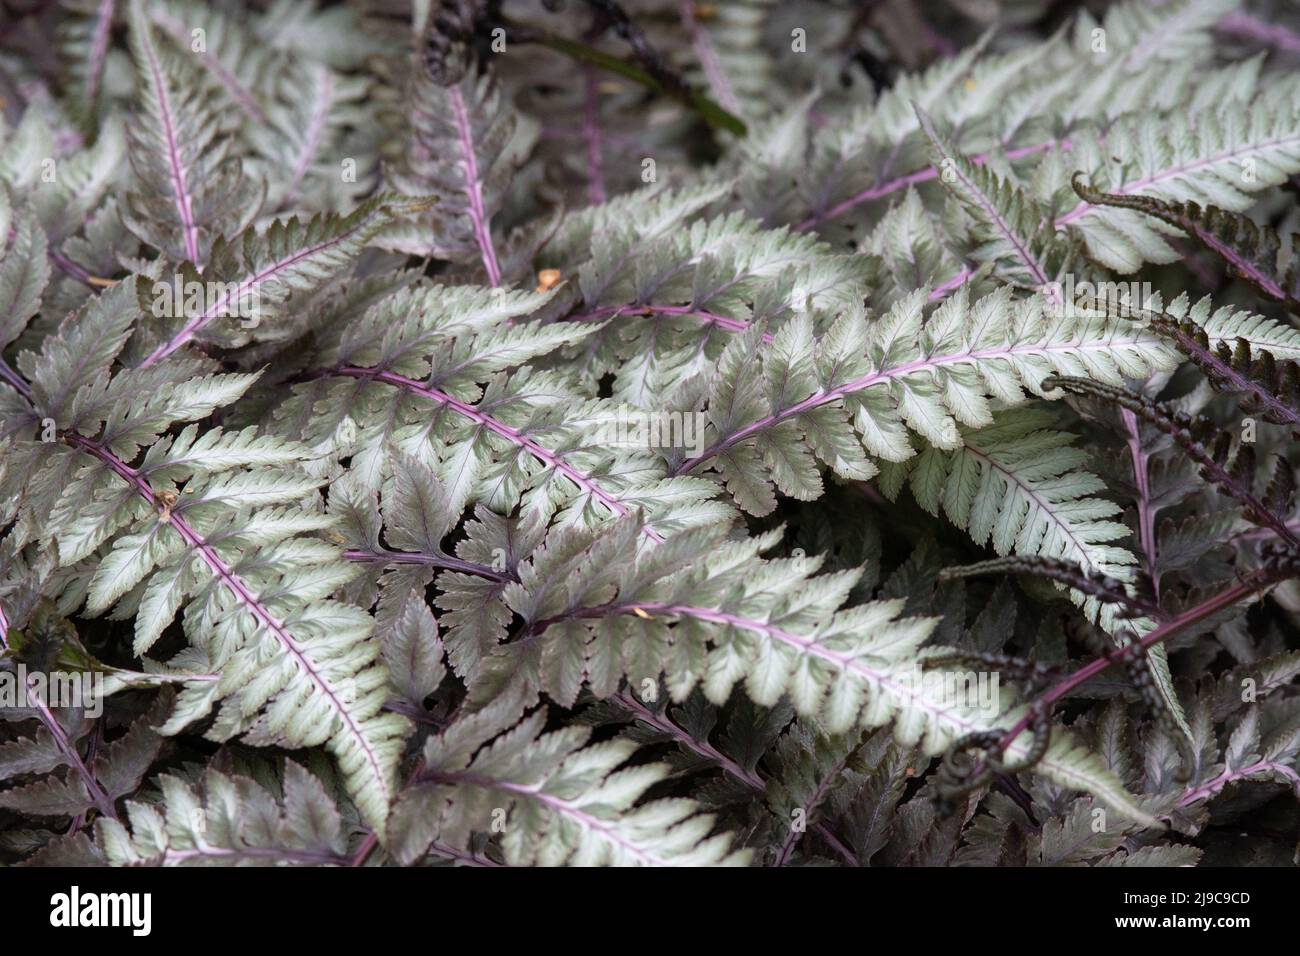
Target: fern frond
95	782
185	526
527	435
228	820
1217	157
661	297
648	215
80	179
190	187
915	253
257	274
417	517
1250	251
1230	470
1009	227
1256	378
724	43
239	67
1223	326
1185	30
457	151
114	773
857	391
556	800
24	270
1006	107
302	147
84	44
1018	485
400	544
319	690
465	468
814	766
594	614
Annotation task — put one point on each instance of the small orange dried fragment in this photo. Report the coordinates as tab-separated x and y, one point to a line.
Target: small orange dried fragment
548	279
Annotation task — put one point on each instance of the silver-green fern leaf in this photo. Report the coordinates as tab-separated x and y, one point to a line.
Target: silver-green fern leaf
485	434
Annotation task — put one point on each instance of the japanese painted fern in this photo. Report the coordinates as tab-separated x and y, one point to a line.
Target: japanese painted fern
415	461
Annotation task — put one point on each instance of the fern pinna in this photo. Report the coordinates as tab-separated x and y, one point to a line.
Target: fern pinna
487	435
